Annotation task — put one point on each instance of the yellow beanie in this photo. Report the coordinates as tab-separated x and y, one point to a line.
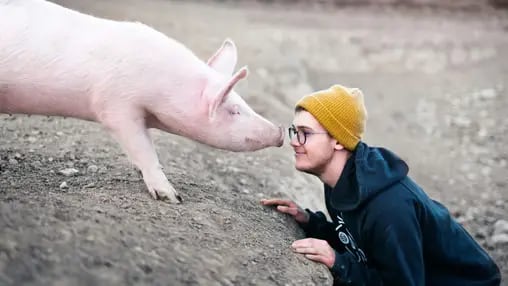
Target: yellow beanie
340	110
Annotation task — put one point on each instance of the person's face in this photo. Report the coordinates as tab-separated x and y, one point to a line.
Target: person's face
316	152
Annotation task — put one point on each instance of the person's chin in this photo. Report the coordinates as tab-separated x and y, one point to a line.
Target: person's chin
303	168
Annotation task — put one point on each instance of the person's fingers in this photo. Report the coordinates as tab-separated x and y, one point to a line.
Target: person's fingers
306	250
314	257
306	242
270	202
287	210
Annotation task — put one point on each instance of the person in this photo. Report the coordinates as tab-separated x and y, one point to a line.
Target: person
385	230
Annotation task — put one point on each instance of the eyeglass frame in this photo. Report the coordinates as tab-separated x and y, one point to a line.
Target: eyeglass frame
292	131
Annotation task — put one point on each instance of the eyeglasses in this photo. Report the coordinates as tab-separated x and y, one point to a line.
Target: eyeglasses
301	135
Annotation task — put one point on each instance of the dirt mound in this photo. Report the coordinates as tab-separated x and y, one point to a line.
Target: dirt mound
101	228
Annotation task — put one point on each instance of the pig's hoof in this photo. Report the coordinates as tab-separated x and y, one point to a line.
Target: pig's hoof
171	197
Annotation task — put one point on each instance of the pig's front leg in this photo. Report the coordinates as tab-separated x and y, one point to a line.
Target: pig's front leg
135	140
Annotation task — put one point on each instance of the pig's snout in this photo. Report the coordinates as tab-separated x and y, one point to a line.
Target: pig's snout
281	136
273	138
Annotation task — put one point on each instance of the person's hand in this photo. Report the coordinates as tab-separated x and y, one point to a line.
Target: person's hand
288	207
316	250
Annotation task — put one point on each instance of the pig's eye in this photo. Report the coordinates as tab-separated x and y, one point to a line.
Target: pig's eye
235	110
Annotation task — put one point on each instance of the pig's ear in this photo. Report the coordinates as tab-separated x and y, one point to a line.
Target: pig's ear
221	96
224	59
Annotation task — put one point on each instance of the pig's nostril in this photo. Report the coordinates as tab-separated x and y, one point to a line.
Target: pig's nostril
282	136
282	131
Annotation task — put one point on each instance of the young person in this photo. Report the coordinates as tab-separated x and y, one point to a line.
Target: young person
385	230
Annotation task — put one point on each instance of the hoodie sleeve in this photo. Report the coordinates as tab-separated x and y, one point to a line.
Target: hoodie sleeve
395	251
320	228
348	271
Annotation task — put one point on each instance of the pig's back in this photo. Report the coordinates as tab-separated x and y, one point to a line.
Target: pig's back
60	57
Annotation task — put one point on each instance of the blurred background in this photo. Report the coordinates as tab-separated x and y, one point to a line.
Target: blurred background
434	74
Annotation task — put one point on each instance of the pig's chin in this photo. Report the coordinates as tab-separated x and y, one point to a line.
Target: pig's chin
252	144
256	144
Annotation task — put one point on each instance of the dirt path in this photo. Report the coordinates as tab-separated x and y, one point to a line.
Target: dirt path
436	89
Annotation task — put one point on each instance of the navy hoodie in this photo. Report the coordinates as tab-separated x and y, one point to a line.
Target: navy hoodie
387	231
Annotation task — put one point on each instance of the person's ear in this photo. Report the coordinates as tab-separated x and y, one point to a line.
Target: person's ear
338	146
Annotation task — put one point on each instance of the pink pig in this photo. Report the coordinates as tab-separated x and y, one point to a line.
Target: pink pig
127	76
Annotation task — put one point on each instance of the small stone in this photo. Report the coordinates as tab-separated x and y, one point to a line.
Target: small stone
471	176
482	133
461	121
488	94
13	161
501	227
64	185
37	164
92	169
68	172
180	259
17	156
499	239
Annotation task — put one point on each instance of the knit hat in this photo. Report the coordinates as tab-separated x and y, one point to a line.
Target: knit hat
340	110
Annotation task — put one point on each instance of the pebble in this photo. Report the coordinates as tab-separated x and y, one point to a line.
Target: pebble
498	239
501	227
487	94
64	185
37	164
68	172
92	169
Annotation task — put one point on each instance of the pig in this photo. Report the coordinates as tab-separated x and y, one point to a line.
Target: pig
128	77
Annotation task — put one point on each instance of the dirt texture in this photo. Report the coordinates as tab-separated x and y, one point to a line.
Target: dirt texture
74	211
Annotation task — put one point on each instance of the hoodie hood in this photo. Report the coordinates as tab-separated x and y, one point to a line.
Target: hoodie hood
368	171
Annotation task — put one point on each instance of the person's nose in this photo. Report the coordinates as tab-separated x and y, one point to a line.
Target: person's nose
294	142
